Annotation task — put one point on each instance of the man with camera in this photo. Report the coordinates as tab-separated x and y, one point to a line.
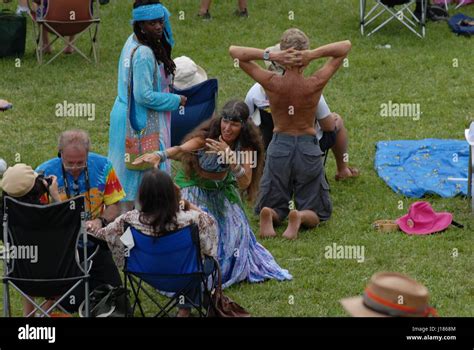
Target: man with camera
80	172
25	185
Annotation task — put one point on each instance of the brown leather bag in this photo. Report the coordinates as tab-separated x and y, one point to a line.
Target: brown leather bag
223	306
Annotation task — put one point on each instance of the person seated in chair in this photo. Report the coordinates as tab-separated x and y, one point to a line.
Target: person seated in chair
330	128
161	211
39	11
23	184
222	158
81	172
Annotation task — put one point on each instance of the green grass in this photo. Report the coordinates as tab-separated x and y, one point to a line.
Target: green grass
412	71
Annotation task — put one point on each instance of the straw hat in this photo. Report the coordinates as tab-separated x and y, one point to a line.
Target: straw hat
390	294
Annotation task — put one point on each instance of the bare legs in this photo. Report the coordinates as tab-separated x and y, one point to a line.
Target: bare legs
340	152
206	4
268	217
47	46
28	307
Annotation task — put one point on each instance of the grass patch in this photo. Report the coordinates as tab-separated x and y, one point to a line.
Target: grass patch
412	71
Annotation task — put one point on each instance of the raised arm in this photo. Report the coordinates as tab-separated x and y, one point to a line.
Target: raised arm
336	51
246	56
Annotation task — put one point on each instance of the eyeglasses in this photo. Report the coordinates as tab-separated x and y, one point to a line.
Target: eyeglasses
72	166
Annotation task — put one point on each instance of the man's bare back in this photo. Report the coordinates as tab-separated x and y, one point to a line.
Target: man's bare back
293	101
293	98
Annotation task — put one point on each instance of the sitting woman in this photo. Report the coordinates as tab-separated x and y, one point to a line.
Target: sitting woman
161	211
222	156
25	185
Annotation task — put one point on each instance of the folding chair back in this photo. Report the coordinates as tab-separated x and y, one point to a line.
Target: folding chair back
69	17
200	106
66	18
41	249
170	263
399	10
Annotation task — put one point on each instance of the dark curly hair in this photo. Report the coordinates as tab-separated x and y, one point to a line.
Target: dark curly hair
249	138
161	50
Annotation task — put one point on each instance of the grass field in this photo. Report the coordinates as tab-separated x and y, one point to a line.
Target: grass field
411	71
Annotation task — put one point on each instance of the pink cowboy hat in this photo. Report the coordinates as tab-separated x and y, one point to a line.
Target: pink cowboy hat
422	220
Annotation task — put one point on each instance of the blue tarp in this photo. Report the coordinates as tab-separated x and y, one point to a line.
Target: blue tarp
417	168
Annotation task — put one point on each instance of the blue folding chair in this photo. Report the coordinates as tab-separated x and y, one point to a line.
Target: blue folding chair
200	106
172	265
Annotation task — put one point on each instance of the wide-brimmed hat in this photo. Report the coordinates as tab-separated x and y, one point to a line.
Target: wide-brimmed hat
390	294
188	73
422	220
469	133
18	180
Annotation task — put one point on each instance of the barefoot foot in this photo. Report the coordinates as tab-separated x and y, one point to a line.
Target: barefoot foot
347	173
68	50
294	223
266	224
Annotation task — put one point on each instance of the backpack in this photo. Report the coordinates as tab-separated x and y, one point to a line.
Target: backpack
108	301
462	24
12	34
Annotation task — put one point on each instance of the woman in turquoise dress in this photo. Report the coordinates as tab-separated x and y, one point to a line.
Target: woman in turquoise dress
148	53
222	157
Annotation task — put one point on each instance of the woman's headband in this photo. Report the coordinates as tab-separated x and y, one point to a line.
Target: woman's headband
233	118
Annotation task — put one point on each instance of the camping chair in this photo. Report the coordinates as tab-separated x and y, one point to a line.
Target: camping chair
64	18
170	264
54	271
461	3
200	106
403	14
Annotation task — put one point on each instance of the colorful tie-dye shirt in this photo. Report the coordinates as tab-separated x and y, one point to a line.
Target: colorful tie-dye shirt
105	187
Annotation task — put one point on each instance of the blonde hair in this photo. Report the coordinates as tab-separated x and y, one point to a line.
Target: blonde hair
294	38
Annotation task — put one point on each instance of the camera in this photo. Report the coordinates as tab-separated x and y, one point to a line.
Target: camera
48	179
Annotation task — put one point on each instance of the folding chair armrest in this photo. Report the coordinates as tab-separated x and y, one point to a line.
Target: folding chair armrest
94	253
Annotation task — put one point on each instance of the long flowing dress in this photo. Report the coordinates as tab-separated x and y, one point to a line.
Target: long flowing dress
152	99
240	256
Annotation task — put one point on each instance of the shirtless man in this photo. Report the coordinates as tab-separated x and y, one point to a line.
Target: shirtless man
293	167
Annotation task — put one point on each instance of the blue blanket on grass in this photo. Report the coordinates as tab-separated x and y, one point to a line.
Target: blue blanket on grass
417	168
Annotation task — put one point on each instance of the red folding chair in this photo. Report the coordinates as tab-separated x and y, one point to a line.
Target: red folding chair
65	18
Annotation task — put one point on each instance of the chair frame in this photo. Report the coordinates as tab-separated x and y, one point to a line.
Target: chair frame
456	7
410	21
9	281
93	30
137	285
